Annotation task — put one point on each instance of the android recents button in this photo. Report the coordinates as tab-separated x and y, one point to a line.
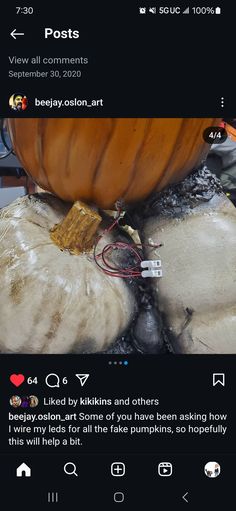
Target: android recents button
52	497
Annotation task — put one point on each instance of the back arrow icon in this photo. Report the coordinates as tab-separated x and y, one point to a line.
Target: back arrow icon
184	497
14	33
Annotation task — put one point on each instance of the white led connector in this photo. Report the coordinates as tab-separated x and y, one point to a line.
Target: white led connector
151	270
151	273
151	264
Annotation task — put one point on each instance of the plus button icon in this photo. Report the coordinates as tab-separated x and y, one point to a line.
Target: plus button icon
118	469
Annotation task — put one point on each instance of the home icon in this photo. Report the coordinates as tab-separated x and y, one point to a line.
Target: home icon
23	471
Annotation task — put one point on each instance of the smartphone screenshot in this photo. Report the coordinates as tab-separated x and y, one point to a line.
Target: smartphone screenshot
117	256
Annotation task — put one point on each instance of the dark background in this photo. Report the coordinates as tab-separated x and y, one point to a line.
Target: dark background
141	65
150	66
180	382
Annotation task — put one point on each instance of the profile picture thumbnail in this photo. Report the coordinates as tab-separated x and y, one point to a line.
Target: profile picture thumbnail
24	402
212	469
15	401
18	102
29	401
33	401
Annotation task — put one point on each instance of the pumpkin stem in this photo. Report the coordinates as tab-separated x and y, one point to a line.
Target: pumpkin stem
77	231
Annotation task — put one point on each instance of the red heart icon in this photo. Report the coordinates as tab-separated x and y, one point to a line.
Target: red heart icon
17	379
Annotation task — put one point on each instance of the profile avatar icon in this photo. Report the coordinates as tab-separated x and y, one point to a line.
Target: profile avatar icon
15	401
25	402
18	102
33	401
212	469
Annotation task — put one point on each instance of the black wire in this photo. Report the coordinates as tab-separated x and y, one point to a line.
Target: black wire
3	136
9	150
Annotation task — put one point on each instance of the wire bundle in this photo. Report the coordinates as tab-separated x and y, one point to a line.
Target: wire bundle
116	271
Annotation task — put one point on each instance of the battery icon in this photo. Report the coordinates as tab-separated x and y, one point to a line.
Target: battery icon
217	10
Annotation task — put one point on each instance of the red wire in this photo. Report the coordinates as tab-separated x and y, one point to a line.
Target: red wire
113	271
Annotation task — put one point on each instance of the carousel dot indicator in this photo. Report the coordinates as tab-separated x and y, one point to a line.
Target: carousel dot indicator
119	362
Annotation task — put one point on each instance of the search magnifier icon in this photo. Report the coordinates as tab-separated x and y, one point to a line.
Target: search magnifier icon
70	469
52	380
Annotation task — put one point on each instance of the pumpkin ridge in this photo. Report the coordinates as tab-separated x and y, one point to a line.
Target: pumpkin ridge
165	167
40	143
190	149
55	322
68	152
198	133
96	170
37	317
173	155
170	158
108	159
134	169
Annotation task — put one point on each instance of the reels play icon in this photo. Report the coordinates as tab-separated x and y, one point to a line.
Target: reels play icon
165	469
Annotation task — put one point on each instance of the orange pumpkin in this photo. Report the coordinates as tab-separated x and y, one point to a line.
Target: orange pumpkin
231	131
103	160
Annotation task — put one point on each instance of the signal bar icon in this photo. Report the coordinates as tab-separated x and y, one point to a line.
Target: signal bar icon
186	11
